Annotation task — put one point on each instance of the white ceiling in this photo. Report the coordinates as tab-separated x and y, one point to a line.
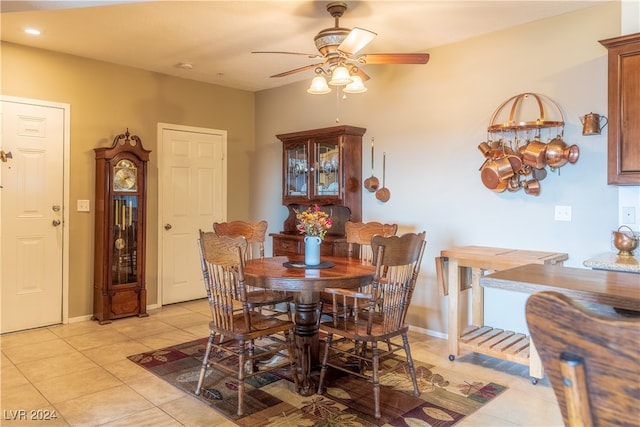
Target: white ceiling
217	37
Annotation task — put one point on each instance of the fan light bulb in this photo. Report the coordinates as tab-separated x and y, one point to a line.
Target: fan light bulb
340	76
319	86
356	85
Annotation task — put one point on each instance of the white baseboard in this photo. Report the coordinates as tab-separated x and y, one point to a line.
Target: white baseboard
90	316
429	332
417	329
80	318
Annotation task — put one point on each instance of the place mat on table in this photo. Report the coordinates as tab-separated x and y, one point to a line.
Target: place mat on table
301	264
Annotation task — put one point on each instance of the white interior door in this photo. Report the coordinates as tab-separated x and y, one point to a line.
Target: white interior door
32	217
192	195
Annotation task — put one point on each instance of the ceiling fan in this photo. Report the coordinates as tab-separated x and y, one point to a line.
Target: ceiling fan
339	47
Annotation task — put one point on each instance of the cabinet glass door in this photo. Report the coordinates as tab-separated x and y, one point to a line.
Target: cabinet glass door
125	232
327	168
296	177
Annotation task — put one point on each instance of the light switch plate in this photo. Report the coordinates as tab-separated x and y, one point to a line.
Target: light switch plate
83	206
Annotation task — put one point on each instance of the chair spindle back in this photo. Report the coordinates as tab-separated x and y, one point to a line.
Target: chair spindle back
254	232
361	233
397	260
222	260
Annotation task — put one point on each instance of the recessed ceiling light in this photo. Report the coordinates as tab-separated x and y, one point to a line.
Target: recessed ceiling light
32	31
185	65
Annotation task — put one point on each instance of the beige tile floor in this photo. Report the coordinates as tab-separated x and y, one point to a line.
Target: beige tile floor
80	372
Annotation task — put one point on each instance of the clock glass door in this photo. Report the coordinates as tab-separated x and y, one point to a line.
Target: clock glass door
125	218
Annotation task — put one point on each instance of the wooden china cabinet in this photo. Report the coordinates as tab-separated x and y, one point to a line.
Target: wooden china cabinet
120	230
623	150
323	167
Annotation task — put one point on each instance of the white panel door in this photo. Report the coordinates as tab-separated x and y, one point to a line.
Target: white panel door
193	182
32	216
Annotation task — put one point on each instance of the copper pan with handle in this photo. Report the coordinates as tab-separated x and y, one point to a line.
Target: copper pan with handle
372	183
383	194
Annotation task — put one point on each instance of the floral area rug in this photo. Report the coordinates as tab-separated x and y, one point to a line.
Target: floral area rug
271	400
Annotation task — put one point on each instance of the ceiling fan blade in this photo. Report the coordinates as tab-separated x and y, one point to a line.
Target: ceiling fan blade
395	58
356	40
297	70
364	76
308	55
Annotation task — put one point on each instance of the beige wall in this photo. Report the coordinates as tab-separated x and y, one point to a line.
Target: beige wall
430	119
106	99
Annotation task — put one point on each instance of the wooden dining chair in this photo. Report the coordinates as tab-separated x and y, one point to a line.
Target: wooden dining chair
255	234
358	235
240	338
397	261
591	359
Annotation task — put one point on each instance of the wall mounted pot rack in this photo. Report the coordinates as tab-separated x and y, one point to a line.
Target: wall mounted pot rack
516	157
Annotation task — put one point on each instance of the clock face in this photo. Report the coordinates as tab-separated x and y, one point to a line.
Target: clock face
125	176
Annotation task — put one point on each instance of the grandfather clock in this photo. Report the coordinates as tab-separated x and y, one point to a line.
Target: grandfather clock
120	230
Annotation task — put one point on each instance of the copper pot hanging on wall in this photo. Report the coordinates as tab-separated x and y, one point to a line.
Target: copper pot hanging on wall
558	153
494	172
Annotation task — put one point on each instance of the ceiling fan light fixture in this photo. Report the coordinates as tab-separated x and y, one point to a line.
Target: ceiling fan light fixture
338	48
356	85
340	76
319	86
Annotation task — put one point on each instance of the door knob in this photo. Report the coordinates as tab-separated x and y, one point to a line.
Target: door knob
4	156
167	226
55	222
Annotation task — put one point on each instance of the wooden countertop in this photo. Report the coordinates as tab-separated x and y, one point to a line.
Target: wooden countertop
610	288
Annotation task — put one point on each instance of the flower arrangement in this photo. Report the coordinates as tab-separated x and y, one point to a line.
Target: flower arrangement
313	222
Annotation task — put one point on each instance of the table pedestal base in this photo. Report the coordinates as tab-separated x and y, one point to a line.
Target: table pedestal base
307	342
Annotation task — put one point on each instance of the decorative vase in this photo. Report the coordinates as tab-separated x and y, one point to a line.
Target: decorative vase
312	250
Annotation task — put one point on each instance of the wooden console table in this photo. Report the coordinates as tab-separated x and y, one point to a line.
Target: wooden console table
477	337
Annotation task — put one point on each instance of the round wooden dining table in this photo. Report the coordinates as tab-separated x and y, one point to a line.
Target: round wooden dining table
306	283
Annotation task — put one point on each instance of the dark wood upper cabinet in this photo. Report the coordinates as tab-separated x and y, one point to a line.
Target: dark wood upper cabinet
321	167
623	161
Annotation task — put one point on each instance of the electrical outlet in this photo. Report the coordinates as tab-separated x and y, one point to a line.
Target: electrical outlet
628	215
562	213
83	206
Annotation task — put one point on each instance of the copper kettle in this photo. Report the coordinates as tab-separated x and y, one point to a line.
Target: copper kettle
591	124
